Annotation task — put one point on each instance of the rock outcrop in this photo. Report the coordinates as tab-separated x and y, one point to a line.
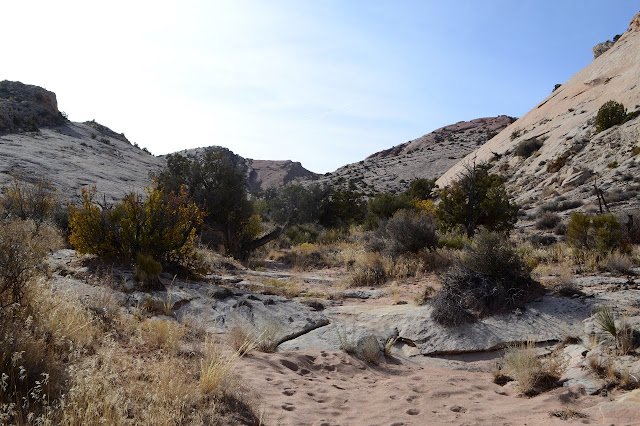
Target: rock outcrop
26	108
600	48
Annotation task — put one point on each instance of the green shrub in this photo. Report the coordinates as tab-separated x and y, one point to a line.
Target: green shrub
601	232
579	231
608	232
369	271
610	114
147	271
161	226
527	147
383	206
477	198
300	234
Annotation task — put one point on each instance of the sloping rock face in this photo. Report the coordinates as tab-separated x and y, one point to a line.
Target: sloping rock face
573	157
75	156
425	157
27	108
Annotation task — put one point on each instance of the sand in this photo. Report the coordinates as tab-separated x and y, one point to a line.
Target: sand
318	387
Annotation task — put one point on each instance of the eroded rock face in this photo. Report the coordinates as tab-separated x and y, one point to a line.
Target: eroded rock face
600	48
634	25
26	108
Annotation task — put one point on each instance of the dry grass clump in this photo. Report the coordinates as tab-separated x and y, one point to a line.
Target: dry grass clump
370	269
241	338
369	349
37	338
619	263
161	333
278	287
388	346
267	336
215	261
345	339
307	256
244	337
216	369
123	385
62	317
534	374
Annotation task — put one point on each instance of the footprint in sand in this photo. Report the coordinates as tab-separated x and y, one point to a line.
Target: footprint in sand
413	411
289	392
290	365
288	407
411	398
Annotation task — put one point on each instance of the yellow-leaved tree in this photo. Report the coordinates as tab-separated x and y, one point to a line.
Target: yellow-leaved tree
161	226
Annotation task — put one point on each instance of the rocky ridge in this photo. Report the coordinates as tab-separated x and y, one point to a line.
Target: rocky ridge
26	108
425	157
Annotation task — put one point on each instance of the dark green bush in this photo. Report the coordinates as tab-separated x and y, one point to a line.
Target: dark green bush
383	206
300	234
147	271
527	147
610	114
477	198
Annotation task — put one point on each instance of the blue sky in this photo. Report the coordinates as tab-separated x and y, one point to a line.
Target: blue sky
322	82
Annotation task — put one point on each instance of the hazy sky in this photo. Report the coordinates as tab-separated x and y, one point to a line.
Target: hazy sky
322	82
